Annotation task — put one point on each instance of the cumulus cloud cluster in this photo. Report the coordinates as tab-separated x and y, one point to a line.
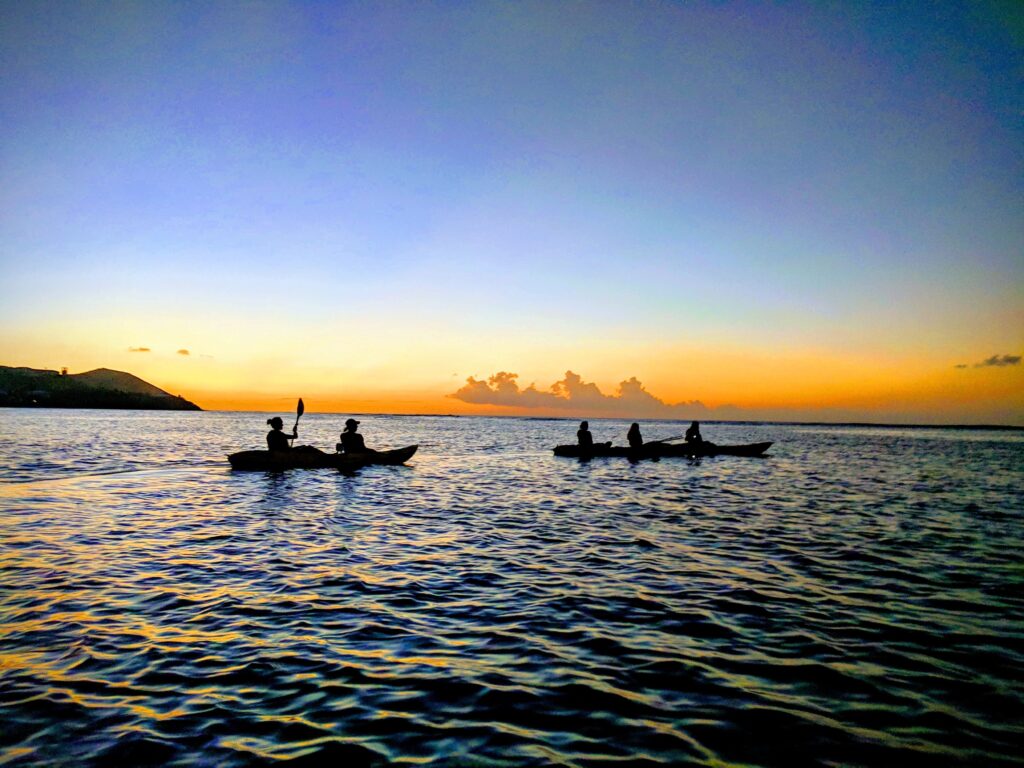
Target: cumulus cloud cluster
996	361
573	395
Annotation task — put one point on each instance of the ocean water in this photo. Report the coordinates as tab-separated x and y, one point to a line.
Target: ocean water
855	598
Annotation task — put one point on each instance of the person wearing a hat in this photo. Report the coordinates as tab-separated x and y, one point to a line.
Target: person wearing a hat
351	441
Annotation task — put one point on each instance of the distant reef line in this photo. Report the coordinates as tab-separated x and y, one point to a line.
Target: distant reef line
100	388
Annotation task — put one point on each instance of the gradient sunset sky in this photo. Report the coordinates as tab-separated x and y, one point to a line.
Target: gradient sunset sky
802	211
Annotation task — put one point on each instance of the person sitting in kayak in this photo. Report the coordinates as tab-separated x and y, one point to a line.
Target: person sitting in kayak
633	437
585	439
277	440
351	441
696	442
583	436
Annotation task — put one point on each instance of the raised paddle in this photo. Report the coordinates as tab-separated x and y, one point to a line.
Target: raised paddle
299	410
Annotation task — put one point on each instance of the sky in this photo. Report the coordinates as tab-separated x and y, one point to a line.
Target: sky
805	211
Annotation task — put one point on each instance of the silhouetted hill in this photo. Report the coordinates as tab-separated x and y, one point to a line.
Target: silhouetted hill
104	378
101	388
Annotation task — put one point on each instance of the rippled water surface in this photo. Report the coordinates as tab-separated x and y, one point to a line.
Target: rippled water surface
855	598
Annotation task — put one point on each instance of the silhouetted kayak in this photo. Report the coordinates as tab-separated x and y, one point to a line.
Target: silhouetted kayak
660	450
299	459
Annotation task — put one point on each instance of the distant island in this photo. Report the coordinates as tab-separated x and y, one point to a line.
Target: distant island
101	388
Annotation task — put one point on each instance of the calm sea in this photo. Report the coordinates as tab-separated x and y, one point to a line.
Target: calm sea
856	598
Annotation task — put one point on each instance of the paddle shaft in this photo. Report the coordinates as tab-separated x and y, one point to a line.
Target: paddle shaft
299	410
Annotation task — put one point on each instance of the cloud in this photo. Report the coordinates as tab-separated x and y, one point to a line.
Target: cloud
960	365
183	352
139	349
502	389
998	362
573	395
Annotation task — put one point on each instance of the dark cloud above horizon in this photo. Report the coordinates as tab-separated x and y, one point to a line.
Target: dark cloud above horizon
996	361
183	352
139	349
573	395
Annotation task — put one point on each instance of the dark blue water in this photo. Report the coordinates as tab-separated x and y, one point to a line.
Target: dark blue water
856	598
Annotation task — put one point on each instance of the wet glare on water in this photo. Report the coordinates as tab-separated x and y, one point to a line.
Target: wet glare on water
854	598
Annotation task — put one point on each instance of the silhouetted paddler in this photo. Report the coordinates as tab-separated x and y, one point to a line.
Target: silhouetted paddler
633	437
277	440
583	436
693	434
585	440
351	441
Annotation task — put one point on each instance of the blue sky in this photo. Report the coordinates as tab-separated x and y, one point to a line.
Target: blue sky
802	176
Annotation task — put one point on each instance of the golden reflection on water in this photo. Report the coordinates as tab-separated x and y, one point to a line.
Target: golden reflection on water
149	713
536	607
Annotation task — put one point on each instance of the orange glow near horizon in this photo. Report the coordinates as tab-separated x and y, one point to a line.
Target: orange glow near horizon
804	389
391	375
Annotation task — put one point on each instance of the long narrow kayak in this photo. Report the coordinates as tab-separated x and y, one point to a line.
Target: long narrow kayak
662	450
314	459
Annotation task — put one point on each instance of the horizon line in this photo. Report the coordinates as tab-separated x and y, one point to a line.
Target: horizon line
781	422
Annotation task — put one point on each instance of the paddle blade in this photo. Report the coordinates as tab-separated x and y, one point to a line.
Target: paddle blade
301	409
